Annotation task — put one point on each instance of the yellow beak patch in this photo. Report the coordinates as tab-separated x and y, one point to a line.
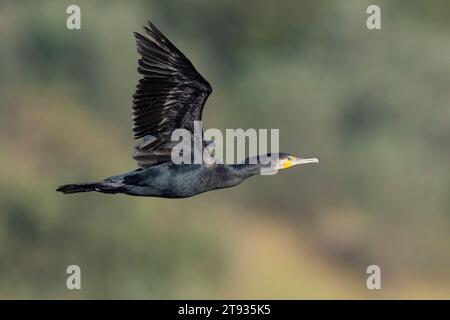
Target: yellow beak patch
287	164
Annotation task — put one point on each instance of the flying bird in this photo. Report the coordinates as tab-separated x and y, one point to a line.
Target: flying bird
171	95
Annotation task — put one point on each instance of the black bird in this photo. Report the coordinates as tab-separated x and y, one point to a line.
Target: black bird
171	95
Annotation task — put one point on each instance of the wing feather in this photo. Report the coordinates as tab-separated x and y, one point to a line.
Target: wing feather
171	94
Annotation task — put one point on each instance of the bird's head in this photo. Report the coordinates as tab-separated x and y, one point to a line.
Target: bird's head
270	163
287	161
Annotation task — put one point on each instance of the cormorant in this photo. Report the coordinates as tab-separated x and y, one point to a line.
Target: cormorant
171	94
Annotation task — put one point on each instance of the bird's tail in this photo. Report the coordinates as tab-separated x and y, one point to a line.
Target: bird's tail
79	187
99	186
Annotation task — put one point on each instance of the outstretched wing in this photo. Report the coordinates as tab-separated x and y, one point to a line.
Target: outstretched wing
170	95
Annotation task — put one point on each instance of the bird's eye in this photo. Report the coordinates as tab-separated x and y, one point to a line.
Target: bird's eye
289	158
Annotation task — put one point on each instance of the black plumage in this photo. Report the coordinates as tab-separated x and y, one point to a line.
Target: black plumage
171	94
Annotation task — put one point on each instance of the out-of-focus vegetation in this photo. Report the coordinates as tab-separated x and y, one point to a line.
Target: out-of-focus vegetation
372	105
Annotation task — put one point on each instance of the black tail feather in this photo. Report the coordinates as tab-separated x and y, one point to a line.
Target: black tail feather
99	186
79	187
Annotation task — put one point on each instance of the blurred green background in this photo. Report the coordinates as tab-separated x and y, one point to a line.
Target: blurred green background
372	105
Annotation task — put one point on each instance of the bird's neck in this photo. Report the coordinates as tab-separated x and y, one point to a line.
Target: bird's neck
246	170
224	176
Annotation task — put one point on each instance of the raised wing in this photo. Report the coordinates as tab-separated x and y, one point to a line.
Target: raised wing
170	95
